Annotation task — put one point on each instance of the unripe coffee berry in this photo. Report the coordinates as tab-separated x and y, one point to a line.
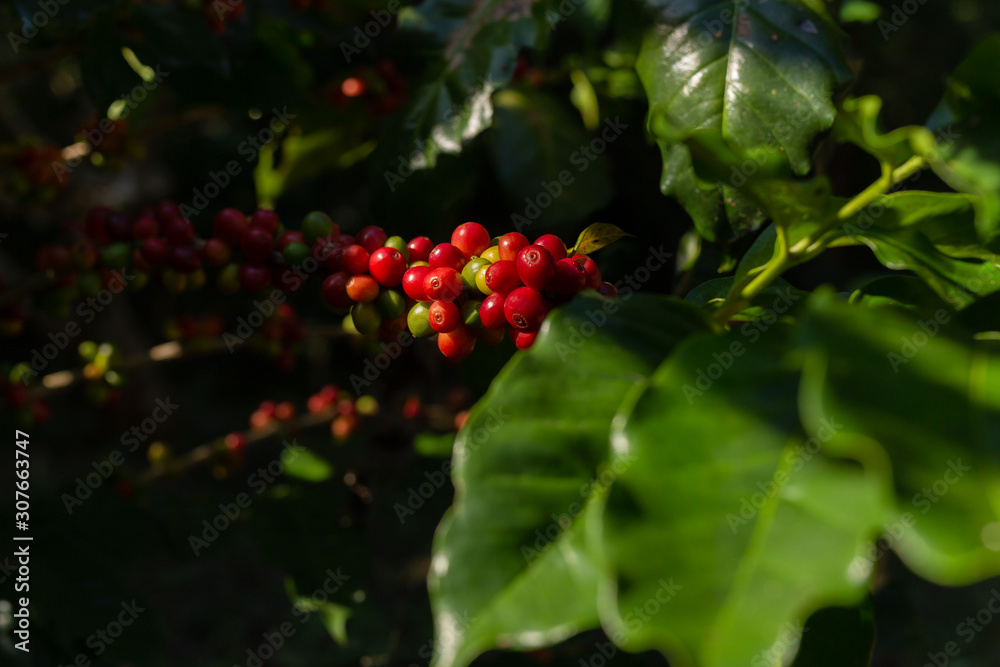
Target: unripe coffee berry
387	266
391	304
399	244
443	284
366	318
413	282
491	254
362	288
418	321
525	309
471	270
296	253
471	238
315	225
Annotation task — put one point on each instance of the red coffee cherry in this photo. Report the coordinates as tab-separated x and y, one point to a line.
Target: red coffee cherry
179	231
471	238
570	276
525	309
216	252
420	248
446	255
457	344
184	259
387	266
535	267
502	277
254	277
167	210
371	238
413	282
491	312
511	244
155	250
362	288
593	273
354	259
523	339
266	219
229	225
144	228
443	284
257	244
444	316
553	244
335	290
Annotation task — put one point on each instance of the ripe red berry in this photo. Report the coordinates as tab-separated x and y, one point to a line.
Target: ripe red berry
94	223
371	238
444	316
443	284
216	252
144	228
457	344
167	210
155	250
335	290
535	267
523	339
236	442
387	266
471	238
420	248
354	259
445	254
570	276
502	277
178	231
553	244
525	309
229	225
511	244
593	273
254	277
491	312
184	259
257	244
413	282
267	219
362	288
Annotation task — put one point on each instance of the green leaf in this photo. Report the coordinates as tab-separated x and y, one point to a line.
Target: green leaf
307	466
510	567
761	74
729	501
922	410
597	236
472	49
536	148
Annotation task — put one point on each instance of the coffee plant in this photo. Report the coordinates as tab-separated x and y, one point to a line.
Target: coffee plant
454	332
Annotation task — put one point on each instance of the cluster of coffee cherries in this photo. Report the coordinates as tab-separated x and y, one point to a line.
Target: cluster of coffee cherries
32	176
468	290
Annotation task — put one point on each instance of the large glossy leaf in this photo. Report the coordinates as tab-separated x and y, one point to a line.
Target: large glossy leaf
763	74
926	410
730	502
471	48
510	568
538	150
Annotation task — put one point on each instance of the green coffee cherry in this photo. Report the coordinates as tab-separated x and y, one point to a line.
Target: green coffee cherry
418	321
399	244
471	270
366	318
391	304
315	225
